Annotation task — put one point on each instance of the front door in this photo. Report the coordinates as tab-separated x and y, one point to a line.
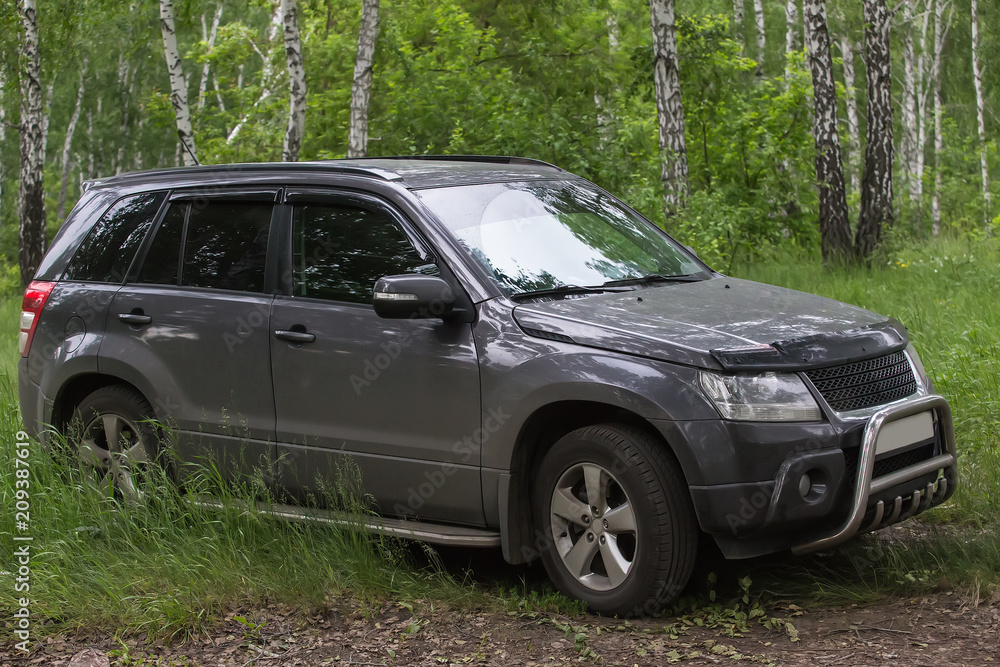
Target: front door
389	406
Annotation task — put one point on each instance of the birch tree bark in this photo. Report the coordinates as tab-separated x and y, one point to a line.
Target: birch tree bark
68	142
361	90
178	83
31	195
908	140
917	189
669	109
876	184
47	117
296	84
853	126
758	19
834	223
738	23
208	36
977	78
3	130
941	27
792	27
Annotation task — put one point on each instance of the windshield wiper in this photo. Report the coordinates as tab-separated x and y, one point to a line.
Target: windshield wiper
656	278
563	290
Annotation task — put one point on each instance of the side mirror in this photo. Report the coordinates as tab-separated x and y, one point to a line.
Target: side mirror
412	296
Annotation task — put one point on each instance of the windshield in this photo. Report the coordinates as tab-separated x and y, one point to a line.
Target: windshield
542	235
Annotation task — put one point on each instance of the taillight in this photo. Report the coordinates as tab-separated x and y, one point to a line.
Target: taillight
34	300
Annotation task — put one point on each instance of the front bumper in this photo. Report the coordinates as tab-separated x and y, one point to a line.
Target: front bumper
943	468
850	488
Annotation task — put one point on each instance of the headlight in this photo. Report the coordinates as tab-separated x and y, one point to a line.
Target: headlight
918	368
767	397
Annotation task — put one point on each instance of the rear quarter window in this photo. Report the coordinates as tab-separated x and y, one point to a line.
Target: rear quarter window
108	250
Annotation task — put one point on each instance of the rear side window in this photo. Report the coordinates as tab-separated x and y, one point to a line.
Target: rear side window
106	253
340	251
224	246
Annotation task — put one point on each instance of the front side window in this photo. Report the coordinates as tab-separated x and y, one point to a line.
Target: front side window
542	235
224	246
338	252
106	253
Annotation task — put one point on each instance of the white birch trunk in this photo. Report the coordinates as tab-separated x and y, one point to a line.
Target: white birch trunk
31	194
3	131
792	27
758	19
178	83
940	33
47	117
910	121
68	143
361	90
917	190
296	84
853	126
208	36
266	73
669	107
738	19
126	79
90	144
977	78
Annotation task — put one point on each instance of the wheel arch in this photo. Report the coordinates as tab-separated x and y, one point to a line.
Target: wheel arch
79	387
538	433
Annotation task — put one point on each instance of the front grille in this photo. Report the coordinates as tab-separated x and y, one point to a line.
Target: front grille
865	383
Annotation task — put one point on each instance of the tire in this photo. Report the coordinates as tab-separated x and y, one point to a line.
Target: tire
119	465
633	552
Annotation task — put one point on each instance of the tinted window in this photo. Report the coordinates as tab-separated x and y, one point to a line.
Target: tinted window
339	252
226	246
106	253
160	265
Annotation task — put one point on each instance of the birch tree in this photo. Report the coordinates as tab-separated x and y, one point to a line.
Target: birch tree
834	224
876	184
909	141
977	79
738	22
31	194
208	36
266	73
178	83
3	131
758	20
791	32
941	26
68	142
361	90
853	126
296	84
669	109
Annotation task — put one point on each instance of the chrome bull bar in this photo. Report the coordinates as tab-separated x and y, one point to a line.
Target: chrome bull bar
934	494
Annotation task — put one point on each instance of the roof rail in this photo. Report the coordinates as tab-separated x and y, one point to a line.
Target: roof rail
492	159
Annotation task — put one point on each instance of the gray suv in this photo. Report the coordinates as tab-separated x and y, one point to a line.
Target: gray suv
506	354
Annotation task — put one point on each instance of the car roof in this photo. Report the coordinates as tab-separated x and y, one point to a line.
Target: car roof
415	172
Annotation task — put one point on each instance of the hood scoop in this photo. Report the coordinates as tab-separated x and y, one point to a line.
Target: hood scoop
547	335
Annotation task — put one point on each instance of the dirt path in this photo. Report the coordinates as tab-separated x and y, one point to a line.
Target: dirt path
937	630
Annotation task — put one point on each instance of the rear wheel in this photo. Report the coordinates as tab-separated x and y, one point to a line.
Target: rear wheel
115	440
616	518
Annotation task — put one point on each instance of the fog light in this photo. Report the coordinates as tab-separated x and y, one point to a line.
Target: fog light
805	485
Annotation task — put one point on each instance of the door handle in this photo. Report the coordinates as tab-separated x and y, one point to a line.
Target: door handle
135	319
294	336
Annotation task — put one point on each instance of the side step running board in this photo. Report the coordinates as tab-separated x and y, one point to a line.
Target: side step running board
432	533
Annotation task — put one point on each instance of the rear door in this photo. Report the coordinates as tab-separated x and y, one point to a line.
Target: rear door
395	401
190	328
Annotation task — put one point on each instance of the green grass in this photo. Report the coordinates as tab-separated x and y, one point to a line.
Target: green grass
172	569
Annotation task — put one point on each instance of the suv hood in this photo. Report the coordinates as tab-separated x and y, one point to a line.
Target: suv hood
718	323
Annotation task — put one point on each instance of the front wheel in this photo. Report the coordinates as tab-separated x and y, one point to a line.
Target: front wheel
616	519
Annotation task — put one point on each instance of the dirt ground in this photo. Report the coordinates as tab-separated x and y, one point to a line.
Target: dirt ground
942	629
